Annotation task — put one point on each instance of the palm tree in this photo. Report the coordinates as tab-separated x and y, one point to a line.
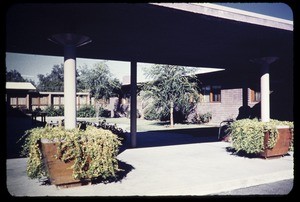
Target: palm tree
171	87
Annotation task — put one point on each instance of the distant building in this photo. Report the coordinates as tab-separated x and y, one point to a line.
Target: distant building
224	94
24	95
19	94
236	95
229	95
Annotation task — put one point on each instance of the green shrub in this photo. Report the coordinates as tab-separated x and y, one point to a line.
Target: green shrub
151	114
52	111
86	111
98	145
114	129
248	134
104	113
201	118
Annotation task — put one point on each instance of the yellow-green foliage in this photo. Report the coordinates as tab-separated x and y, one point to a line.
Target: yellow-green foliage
248	134
93	150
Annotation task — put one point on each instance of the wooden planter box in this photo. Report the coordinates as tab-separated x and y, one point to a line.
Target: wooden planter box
60	173
281	147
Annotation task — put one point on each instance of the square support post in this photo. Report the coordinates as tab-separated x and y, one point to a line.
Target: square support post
133	102
264	64
265	93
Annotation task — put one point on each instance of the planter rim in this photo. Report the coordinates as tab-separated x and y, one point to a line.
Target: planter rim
45	140
282	126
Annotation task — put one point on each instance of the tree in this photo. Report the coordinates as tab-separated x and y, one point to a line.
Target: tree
99	82
53	82
172	87
15	76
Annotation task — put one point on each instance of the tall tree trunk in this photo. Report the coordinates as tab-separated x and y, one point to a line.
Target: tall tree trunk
171	114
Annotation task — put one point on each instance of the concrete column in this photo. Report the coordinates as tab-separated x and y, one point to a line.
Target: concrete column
8	98
78	102
245	96
265	93
70	41
50	100
27	101
88	99
133	102
30	102
70	86
264	64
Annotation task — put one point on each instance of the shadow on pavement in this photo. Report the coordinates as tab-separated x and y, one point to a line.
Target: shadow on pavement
121	174
16	124
170	137
232	151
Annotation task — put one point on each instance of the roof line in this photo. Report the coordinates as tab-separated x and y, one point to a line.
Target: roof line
20	86
231	14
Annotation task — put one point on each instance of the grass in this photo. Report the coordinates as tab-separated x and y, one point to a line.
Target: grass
142	124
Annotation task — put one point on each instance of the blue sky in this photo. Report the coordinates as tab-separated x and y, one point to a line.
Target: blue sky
279	10
31	65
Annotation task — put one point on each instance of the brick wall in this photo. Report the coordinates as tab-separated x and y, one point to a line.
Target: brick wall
231	101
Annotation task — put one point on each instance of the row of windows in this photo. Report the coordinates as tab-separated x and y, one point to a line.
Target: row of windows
208	94
43	101
213	94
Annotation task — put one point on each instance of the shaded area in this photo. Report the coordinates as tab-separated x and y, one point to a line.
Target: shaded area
232	151
224	43
246	112
120	175
16	124
170	137
242	153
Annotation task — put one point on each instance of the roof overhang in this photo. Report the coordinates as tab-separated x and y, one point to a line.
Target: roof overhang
232	14
20	86
163	33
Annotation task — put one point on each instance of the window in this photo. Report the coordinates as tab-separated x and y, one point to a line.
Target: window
206	93
254	96
215	94
211	93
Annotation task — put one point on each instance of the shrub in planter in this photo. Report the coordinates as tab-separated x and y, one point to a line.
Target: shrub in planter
113	128
92	151
248	135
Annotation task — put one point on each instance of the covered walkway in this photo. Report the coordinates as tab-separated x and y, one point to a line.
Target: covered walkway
188	34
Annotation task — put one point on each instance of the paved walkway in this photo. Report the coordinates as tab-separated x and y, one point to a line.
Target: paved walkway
187	166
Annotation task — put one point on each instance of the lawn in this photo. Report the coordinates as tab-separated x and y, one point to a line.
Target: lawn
142	124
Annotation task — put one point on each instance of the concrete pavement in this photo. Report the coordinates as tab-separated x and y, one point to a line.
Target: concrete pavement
196	167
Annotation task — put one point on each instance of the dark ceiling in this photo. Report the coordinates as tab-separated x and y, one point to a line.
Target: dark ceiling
145	33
